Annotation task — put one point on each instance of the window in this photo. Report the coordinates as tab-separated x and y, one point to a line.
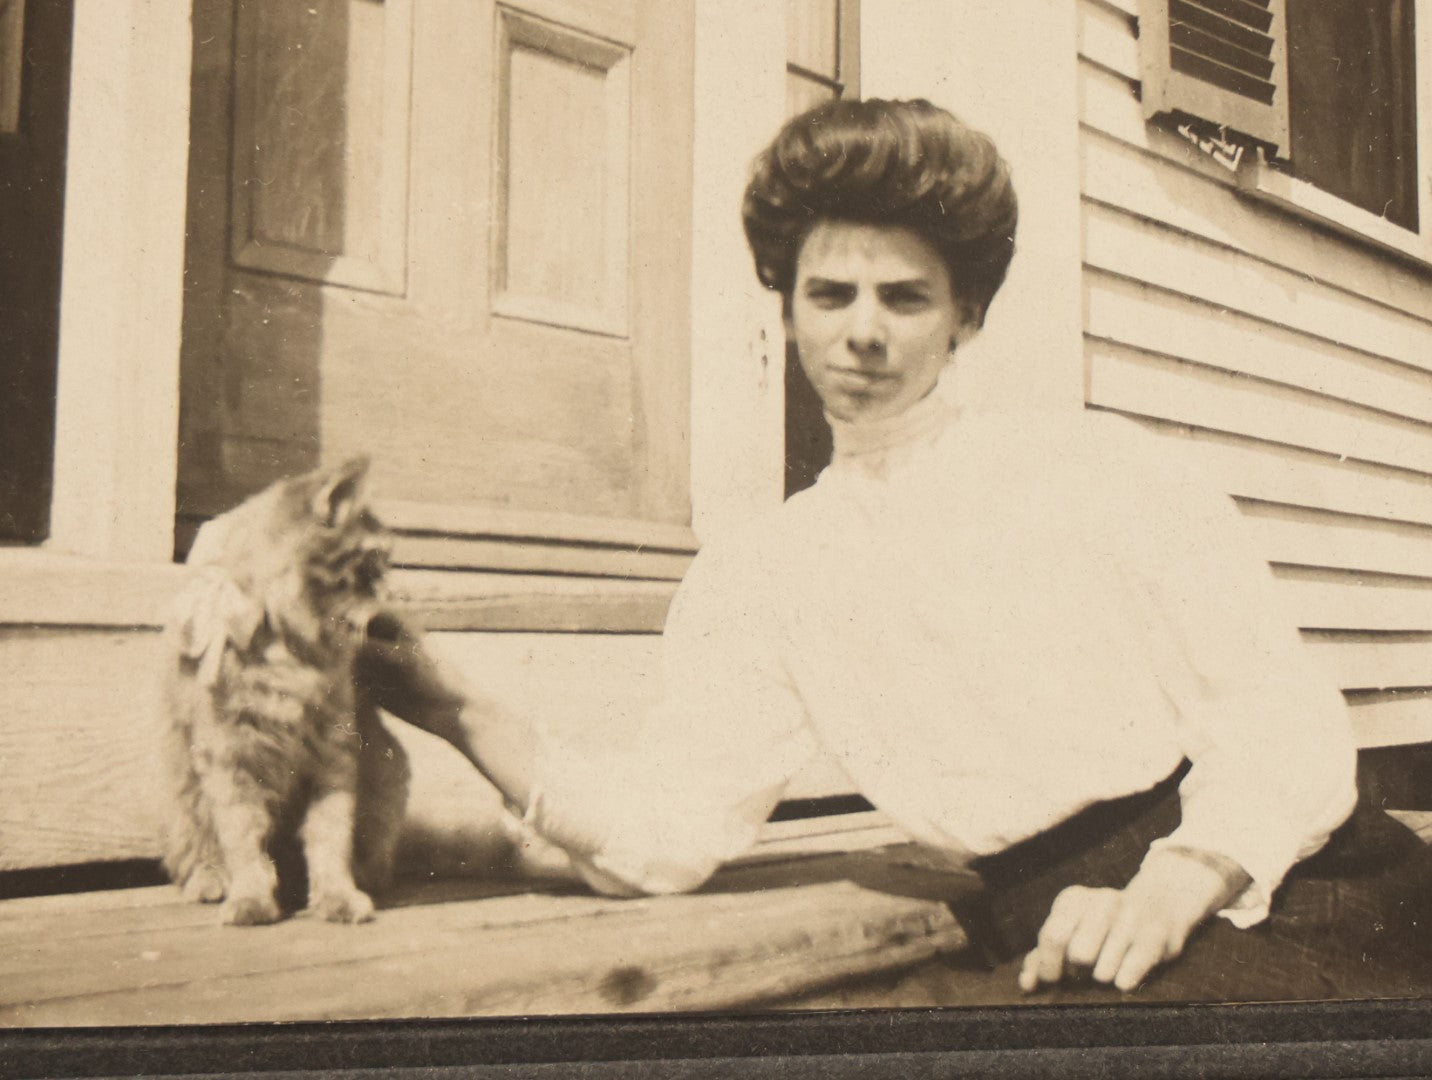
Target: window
1316	99
35	57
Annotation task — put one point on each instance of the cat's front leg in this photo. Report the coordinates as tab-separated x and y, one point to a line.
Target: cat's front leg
242	824
327	835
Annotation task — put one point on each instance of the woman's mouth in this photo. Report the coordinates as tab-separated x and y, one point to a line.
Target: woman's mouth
858	377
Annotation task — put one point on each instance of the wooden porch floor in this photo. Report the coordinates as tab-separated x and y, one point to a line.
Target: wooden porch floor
793	918
810	909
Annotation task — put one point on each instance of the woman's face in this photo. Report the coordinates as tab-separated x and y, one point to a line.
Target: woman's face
873	318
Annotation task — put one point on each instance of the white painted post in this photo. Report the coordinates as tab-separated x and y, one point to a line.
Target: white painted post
1011	70
737	347
116	445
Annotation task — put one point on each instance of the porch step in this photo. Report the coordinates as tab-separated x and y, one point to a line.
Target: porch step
786	922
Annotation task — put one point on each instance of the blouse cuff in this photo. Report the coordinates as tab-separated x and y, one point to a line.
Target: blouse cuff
1265	861
618	834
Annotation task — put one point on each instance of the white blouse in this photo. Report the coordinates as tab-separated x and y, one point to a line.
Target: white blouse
991	623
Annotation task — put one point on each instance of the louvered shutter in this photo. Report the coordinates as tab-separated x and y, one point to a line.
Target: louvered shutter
1223	61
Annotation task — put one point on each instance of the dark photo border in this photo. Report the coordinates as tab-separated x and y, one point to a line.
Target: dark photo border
1352	1039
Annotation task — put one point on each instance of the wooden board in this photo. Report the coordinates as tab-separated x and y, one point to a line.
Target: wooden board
1392	721
1155	173
1128	8
1146	251
1106	38
447	600
1146	384
1372	661
1309	538
467	949
1345	600
80	736
77	746
1295	476
1169	323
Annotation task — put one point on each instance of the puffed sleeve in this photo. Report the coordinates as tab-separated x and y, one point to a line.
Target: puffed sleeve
660	813
1267	733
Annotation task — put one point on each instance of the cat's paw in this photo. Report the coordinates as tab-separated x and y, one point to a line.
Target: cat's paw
249	911
205	886
353	906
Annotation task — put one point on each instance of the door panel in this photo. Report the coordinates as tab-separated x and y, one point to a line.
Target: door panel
454	236
34	109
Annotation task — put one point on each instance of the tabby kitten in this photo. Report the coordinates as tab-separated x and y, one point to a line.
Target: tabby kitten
272	745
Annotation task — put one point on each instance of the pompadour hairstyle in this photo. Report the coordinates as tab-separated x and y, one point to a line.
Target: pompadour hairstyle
892	163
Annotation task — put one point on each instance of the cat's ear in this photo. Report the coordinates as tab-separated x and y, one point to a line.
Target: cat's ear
340	495
208	545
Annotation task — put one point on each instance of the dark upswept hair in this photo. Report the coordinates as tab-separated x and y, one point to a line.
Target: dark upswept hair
891	163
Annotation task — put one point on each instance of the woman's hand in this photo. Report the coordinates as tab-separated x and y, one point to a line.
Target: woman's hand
1120	935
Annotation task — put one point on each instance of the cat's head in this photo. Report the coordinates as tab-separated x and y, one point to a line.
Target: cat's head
306	555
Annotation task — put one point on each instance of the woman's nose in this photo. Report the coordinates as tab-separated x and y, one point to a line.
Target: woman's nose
866	333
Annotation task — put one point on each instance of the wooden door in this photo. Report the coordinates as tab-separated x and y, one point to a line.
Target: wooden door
452	234
34	104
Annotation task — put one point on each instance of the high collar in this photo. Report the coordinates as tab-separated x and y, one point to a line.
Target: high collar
872	444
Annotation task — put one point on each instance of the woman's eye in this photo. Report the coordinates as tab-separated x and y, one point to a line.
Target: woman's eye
830	296
906	299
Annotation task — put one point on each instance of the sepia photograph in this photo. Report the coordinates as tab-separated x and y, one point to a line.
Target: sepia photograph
593	508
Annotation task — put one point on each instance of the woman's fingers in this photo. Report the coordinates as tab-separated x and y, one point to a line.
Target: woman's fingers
1117	944
1072	934
1090	938
1144	954
1121	936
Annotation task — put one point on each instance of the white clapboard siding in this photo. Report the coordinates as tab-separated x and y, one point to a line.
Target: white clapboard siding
1146	384
1295	476
1145	251
1128	8
1293	364
1392	722
1106	38
1303	537
1361	660
1349	600
1161	178
1157	320
81	729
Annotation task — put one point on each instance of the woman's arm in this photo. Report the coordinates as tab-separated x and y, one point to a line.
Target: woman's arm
688	788
1268	737
406	678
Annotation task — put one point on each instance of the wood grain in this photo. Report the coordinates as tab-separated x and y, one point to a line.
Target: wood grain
753	935
77	746
446	600
456	406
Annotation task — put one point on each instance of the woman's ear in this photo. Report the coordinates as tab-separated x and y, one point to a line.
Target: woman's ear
968	327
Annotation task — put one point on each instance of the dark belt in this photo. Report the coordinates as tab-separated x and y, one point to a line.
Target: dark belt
1102	846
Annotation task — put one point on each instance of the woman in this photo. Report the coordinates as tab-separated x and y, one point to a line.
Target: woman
1039	648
